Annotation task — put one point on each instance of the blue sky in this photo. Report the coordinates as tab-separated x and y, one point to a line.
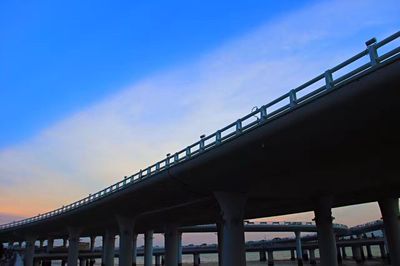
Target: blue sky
58	56
93	92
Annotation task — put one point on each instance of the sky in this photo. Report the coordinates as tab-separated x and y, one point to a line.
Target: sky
91	92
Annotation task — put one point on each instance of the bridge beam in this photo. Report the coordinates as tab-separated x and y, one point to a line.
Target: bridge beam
125	240
171	245
108	248
29	250
390	214
326	237
73	247
148	248
232	210
299	252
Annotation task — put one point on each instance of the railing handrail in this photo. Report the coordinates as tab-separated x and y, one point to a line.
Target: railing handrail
258	117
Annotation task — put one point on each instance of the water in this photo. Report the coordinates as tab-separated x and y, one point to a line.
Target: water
281	258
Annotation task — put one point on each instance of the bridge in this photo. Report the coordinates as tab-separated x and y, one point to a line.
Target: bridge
291	155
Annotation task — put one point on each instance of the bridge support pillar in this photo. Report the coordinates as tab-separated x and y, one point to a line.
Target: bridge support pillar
299	252
180	250
134	249
382	250
270	257
390	214
29	250
369	252
196	259
73	247
157	260
313	261
41	243
326	237
357	254
148	248
220	236
171	245
125	240
50	244
263	256
65	240
344	254
92	239
82	262
292	257
108	248
232	208
339	255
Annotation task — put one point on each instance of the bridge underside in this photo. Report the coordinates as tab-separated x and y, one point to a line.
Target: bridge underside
343	144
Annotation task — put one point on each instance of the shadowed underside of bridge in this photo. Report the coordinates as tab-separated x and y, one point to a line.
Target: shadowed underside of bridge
343	143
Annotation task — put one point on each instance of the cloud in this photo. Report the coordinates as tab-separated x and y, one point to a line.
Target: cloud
165	112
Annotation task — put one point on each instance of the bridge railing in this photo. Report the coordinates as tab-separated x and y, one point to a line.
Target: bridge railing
330	79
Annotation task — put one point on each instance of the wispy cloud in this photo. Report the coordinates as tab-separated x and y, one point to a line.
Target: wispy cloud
141	123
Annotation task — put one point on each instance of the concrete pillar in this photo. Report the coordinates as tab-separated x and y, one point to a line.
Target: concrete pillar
148	248
63	262
158	260
125	240
82	262
313	261
326	237
171	245
73	248
196	259
50	245
134	249
263	256
382	250
29	250
220	236
108	248
232	209
299	252
292	257
344	254
65	240
270	257
357	253
390	214
180	249
92	241
305	255
41	243
339	256
369	252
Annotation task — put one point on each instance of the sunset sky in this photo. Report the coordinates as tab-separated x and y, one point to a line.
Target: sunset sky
91	92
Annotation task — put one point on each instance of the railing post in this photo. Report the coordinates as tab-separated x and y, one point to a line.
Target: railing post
176	158
188	152
328	79
238	126
218	137
167	160
293	98
373	54
202	142
263	113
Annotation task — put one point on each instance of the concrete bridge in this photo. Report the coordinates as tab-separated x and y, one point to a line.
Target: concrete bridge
291	155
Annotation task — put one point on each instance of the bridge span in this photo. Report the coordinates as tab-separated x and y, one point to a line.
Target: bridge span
291	155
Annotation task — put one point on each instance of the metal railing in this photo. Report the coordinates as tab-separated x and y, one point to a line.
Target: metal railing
254	119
